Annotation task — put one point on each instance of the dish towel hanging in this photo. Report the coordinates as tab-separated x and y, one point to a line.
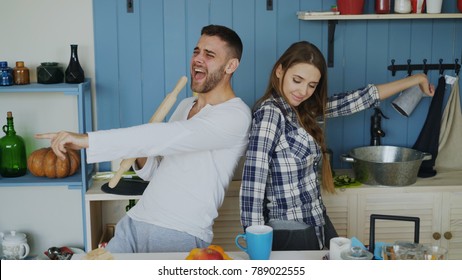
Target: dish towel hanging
428	139
450	140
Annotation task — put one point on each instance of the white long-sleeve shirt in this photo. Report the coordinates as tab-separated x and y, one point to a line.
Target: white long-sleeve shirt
198	158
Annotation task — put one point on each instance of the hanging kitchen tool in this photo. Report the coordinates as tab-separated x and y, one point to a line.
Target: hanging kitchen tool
450	138
158	116
408	100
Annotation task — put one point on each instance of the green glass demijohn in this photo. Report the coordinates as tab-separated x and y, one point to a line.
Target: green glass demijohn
13	161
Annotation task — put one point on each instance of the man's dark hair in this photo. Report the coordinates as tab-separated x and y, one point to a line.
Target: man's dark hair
227	35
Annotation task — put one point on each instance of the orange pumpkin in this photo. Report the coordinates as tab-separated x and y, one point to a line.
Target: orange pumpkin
44	163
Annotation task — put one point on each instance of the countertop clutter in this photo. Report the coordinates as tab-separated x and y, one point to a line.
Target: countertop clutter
275	255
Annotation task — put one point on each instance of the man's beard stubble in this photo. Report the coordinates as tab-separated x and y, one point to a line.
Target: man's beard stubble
212	80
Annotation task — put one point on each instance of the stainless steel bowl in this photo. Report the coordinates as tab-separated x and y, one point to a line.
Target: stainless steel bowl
386	165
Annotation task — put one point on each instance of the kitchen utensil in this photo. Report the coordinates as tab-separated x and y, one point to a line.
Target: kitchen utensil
386	165
408	100
14	245
158	116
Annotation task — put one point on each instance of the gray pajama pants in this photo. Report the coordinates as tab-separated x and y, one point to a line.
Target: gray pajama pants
138	237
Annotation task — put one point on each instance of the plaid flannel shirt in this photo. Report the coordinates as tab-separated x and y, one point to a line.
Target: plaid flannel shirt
280	172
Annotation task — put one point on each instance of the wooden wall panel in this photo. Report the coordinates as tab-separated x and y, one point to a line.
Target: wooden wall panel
140	57
129	38
152	47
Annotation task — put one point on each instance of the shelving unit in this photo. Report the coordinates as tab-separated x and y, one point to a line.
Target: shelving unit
333	20
83	95
80	180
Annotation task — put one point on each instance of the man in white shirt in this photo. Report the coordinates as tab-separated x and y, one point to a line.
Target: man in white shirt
189	161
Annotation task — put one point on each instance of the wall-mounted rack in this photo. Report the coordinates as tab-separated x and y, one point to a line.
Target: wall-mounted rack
424	67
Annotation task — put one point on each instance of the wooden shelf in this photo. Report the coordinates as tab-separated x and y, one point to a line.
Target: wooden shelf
333	20
305	15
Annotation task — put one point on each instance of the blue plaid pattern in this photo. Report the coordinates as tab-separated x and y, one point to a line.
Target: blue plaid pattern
280	173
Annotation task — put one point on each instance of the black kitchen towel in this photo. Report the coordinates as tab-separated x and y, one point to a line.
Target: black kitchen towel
126	187
428	140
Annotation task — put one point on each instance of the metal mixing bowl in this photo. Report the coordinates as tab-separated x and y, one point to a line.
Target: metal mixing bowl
386	165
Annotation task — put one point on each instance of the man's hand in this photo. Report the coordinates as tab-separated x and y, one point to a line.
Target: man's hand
60	141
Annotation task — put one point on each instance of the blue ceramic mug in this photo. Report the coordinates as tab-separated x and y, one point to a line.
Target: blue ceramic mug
259	240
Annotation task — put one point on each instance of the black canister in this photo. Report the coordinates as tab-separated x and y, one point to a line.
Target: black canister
6	74
50	73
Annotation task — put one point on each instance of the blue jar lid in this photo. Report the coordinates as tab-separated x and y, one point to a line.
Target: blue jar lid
3	64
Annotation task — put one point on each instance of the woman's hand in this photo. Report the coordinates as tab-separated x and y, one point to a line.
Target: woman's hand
60	141
425	86
389	89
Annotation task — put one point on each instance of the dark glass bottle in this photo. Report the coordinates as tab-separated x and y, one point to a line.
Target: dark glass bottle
21	74
13	162
74	73
6	74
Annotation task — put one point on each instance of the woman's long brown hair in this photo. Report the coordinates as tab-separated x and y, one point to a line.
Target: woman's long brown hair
312	109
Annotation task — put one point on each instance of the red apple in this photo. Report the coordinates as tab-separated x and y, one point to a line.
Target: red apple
207	254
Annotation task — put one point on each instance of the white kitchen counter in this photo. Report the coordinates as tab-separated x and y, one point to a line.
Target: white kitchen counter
239	255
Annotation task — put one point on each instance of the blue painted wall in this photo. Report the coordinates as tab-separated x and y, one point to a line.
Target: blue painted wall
140	56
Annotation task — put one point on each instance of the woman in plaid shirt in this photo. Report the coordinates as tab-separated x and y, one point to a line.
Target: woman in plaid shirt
280	185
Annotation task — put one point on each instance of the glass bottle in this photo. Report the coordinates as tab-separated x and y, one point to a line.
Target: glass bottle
74	73
382	6
6	74
13	162
21	74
